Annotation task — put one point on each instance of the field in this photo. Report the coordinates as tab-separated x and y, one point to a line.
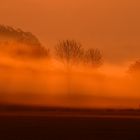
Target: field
40	123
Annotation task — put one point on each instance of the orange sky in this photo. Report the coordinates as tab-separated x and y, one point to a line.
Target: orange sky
113	26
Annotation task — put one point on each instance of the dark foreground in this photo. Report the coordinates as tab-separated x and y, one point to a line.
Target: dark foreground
48	126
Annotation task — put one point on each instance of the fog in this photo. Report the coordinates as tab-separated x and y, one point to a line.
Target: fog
31	74
46	82
112	26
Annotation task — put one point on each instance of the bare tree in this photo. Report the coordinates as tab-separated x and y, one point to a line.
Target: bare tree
93	57
69	52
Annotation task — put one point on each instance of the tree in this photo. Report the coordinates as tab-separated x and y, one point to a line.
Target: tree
135	67
20	43
93	57
69	52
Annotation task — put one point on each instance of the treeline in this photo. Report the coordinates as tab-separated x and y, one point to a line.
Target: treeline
19	35
27	43
70	52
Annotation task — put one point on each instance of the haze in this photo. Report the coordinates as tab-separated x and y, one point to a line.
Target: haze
46	82
112	26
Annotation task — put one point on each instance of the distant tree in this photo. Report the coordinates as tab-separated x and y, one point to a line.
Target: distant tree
93	58
19	35
69	52
135	67
27	43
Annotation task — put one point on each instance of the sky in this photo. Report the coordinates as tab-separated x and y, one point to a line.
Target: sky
112	26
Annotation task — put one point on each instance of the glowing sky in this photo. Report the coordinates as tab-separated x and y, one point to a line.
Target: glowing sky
113	26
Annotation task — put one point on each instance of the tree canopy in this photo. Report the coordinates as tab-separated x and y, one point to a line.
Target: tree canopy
69	51
93	57
21	43
135	67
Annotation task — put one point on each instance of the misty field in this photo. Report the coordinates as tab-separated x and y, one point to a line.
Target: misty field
68	74
65	92
70	69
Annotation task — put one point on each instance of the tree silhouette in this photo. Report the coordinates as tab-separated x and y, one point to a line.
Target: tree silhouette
19	35
135	67
93	57
69	52
27	43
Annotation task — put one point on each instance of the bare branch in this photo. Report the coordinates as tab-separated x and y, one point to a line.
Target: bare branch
69	52
93	57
